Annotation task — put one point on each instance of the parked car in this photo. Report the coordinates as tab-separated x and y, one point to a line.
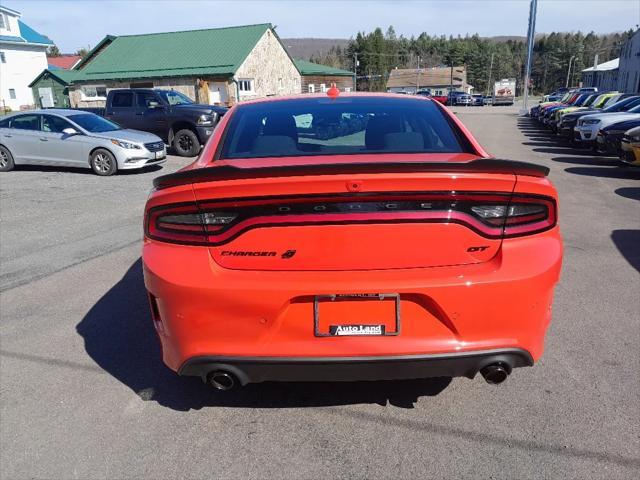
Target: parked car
630	147
609	138
440	98
459	98
570	120
552	114
73	138
588	126
538	110
271	258
424	93
172	116
487	100
477	100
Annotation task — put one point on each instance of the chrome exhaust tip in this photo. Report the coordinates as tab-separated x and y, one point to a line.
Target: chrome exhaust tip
221	380
495	373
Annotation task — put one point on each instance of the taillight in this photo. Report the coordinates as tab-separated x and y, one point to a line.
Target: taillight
184	223
522	216
490	214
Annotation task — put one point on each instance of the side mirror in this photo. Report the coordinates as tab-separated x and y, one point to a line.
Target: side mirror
70	131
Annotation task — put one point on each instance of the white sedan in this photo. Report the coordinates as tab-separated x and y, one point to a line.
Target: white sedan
75	138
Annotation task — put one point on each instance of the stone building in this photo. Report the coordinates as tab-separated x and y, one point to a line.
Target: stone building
214	66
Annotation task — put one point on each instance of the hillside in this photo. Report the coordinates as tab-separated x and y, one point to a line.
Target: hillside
305	48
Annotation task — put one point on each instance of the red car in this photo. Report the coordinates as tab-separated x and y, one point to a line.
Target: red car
397	248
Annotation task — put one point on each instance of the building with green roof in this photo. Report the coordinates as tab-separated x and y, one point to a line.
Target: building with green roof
219	65
213	66
51	88
319	78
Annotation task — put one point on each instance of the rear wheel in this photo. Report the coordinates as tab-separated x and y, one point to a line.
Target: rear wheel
186	143
6	159
103	163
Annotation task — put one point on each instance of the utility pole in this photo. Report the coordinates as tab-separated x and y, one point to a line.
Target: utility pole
355	71
418	78
569	70
489	79
450	82
530	41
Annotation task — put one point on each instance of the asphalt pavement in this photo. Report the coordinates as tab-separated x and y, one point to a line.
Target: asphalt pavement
83	393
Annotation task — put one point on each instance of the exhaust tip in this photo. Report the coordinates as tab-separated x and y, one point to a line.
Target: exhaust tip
495	373
221	380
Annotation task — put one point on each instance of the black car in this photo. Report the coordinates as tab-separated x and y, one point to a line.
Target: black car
608	139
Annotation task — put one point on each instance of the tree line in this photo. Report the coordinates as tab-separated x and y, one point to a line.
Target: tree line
377	53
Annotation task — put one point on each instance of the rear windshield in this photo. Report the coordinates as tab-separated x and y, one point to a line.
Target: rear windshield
343	126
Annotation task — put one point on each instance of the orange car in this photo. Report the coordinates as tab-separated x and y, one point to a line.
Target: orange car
350	237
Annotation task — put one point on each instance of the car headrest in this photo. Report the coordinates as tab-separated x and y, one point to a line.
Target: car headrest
377	127
274	145
279	124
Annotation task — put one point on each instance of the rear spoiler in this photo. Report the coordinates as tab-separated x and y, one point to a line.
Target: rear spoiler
227	172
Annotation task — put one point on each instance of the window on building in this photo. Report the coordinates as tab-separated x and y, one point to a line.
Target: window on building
4	22
12	93
94	92
311	88
245	85
323	87
122	100
2	58
280	83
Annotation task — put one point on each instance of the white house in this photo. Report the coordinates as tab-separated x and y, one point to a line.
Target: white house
22	58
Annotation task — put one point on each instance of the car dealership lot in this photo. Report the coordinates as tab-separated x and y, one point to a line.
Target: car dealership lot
84	393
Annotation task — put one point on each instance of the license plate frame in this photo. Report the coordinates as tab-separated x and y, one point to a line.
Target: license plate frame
373	296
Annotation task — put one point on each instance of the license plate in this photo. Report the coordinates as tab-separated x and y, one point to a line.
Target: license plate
160	154
356	330
381	312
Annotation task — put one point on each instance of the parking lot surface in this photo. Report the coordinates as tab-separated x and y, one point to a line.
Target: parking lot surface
84	393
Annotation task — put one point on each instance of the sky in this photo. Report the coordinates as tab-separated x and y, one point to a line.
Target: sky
73	24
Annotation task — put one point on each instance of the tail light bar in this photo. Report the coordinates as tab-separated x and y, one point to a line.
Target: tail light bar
492	215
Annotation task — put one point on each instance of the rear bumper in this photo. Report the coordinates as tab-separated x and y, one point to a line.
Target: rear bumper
347	369
203	311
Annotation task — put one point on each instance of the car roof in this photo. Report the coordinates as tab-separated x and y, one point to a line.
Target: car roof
63	112
303	96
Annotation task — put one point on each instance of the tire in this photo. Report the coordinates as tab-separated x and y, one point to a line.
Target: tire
6	160
186	143
103	162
